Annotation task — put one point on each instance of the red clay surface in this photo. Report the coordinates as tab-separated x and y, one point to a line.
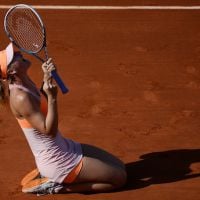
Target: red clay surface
134	79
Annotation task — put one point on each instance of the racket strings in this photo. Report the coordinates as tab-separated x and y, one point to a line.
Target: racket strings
26	30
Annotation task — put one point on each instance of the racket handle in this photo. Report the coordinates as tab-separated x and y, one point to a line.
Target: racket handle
59	81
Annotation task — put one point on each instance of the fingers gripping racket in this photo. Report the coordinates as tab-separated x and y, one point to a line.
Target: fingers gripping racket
26	30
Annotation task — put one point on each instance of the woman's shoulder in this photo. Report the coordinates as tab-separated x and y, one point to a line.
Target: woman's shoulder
18	99
21	102
18	96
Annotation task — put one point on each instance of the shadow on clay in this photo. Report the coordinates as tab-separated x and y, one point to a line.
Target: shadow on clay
162	167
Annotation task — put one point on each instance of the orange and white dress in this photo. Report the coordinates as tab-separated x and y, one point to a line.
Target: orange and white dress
55	157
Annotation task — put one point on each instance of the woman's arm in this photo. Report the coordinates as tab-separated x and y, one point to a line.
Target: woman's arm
24	107
27	108
52	114
50	91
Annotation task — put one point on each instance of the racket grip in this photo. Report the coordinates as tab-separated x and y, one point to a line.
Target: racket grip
59	81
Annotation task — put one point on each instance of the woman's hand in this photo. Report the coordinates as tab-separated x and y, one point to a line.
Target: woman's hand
49	87
47	68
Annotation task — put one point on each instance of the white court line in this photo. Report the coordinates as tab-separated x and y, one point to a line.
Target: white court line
60	7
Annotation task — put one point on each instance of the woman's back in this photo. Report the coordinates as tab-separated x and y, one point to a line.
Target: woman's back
55	156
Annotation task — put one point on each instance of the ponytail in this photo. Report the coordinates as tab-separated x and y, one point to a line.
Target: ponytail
3	92
4	88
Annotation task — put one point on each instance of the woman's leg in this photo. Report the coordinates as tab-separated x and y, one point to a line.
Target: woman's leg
100	154
101	172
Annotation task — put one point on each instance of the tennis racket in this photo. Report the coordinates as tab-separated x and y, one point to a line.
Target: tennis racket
26	30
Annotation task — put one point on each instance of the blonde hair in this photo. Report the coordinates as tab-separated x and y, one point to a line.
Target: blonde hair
4	89
4	82
3	92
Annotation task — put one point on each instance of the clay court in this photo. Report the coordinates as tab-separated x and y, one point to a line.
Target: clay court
134	79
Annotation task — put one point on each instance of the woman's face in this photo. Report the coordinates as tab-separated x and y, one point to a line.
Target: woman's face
19	63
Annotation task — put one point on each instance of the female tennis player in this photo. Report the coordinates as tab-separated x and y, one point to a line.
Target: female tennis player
63	165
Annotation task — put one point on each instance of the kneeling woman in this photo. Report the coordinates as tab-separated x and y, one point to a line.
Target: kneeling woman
60	161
